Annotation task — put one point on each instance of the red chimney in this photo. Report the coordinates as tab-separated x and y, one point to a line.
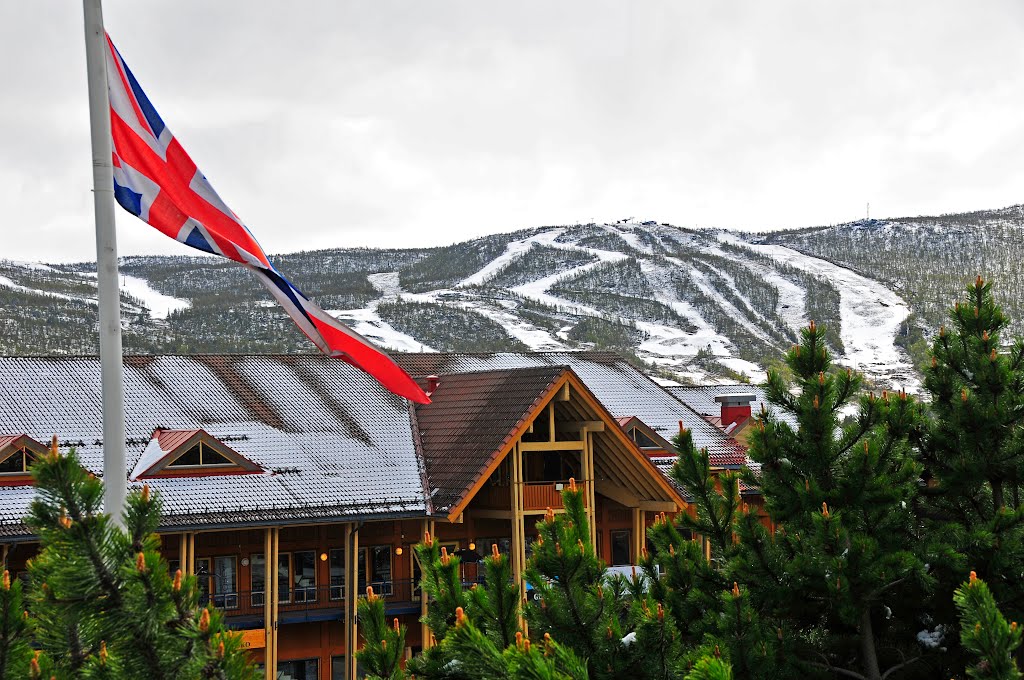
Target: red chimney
735	408
433	381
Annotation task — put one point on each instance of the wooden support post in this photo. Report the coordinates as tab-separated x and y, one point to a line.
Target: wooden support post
551	421
351	601
518	524
424	628
275	549
269	666
588	475
638	534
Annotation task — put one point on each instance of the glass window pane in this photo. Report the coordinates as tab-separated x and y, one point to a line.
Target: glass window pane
284	582
337	561
225	582
257	579
190	457
620	547
13	463
380	569
203	579
212	457
304	573
337	667
305	669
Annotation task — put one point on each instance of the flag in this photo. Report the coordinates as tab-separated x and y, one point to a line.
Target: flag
155	180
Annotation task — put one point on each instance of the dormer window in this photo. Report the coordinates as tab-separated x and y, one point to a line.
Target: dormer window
200	455
190	453
17	452
642	440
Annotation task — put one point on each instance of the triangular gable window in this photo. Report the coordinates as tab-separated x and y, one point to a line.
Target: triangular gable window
17	454
174	453
642	440
200	455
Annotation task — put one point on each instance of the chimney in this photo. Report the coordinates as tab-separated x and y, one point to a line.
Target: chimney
433	381
735	408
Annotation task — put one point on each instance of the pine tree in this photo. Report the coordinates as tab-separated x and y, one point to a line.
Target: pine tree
575	605
986	634
973	451
103	603
15	631
848	553
383	645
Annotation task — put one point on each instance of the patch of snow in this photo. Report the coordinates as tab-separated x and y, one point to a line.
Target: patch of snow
160	305
387	283
932	639
792	298
870	315
38	266
367	323
8	283
513	251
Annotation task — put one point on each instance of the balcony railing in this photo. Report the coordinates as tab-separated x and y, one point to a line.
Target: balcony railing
301	598
543	495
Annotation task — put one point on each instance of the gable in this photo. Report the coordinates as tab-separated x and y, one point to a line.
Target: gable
540	423
190	453
17	452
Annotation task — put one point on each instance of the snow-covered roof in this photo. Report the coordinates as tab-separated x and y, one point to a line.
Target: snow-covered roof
703	400
621	388
334	442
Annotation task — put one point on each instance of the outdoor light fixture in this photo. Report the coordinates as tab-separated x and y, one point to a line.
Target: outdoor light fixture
323	557
472	545
398	550
245	561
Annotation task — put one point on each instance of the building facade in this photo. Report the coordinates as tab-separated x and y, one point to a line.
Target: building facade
290	484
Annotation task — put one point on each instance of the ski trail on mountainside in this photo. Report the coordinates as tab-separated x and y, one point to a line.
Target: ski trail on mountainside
870	315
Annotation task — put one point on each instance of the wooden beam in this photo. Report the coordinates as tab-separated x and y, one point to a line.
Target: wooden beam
551	421
578	425
563	394
619	494
551	446
658	506
488	513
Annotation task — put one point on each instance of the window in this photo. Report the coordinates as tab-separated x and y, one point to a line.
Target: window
483	546
296	577
642	440
17	462
620	541
375	560
337	668
337	576
173	453
200	455
303	669
217	581
304	576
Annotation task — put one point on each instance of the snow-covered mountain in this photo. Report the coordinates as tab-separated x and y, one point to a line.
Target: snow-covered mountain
689	305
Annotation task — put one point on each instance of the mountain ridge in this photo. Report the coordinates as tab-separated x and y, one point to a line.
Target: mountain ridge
688	305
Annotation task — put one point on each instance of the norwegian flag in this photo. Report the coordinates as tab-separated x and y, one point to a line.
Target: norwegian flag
155	180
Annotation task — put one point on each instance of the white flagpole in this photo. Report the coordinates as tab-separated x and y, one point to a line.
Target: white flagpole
109	296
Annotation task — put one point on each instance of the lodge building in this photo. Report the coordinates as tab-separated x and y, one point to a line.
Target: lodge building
291	483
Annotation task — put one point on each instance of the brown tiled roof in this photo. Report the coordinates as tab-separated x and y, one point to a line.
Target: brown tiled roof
472	418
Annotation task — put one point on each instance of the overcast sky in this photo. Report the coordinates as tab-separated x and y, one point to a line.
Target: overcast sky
343	123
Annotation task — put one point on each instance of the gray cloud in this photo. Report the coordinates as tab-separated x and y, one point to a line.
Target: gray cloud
414	123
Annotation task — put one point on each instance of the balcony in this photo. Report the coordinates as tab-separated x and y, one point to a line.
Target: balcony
304	599
543	495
